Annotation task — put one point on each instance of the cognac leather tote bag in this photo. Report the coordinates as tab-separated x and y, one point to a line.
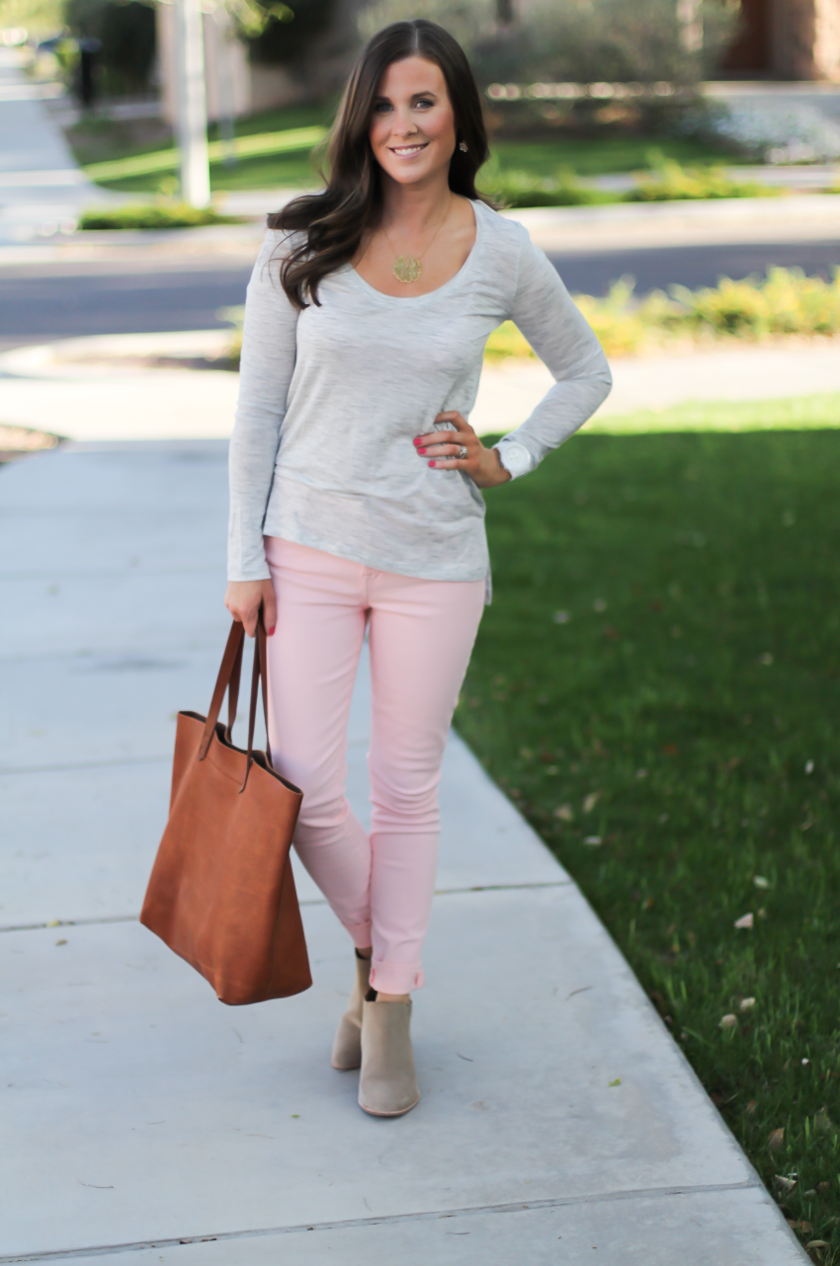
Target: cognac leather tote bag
222	893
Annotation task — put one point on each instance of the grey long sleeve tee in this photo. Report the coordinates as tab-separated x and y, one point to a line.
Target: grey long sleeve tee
331	399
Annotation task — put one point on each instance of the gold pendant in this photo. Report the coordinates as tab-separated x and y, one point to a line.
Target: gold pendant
407	268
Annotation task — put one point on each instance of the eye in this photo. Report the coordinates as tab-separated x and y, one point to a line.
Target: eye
381	107
425	102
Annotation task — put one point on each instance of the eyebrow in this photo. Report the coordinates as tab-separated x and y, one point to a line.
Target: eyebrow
414	96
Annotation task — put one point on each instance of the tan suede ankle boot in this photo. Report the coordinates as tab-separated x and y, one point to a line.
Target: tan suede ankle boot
388	1081
347	1047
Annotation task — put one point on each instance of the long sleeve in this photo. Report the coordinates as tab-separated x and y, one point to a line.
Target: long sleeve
558	333
268	362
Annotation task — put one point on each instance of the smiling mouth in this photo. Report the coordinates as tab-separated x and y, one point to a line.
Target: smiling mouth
407	151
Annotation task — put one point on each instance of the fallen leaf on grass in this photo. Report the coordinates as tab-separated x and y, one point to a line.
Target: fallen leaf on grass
561	617
785	1185
593	840
599	605
591	801
805	1227
658	1001
766	659
817	1244
565	813
761	882
776	1140
745	921
728	1022
822	1121
751	1107
746	1004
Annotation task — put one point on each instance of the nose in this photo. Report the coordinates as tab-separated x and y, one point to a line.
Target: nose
403	124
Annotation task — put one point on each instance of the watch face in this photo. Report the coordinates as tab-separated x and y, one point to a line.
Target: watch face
515	458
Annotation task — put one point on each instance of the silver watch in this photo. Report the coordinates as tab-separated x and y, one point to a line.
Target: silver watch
515	458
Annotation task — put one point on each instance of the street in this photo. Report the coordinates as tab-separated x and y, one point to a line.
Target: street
56	300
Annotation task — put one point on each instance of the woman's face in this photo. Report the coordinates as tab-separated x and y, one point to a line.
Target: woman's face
412	128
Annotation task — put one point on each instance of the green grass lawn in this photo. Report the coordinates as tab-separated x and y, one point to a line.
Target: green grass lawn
101	140
656	687
605	154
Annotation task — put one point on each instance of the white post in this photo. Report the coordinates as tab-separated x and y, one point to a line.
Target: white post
191	103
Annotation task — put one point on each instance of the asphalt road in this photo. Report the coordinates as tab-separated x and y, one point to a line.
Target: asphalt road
45	302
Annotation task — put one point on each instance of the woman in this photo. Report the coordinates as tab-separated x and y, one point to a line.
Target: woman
355	479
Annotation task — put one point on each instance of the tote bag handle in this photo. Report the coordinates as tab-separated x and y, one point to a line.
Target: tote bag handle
229	678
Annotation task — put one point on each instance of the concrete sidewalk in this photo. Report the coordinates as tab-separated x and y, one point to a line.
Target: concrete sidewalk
42	190
144	1121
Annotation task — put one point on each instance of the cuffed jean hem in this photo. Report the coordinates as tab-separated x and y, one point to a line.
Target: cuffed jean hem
395	977
359	934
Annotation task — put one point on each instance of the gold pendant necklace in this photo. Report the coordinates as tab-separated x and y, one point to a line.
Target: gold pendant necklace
408	268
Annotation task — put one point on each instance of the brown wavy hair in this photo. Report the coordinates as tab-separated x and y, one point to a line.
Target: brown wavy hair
335	220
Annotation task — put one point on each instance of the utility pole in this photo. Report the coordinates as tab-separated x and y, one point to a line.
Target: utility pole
191	103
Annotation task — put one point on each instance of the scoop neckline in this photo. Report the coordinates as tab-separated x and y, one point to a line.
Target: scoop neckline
430	294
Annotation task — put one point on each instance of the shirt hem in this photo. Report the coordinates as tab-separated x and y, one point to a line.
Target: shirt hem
379	563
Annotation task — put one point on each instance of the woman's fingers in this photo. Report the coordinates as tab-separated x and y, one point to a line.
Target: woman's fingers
445	449
457	420
243	599
460	429
269	608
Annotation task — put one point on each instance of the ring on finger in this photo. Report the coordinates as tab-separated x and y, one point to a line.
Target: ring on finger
463	452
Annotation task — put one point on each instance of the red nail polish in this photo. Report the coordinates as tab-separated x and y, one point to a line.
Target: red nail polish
431	463
417	441
421	450
271	630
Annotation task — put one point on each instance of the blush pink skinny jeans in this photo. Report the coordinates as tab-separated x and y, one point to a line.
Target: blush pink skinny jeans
421	635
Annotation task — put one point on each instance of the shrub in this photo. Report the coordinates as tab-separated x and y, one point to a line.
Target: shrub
281	33
781	132
587	41
670	181
526	189
784	302
161	215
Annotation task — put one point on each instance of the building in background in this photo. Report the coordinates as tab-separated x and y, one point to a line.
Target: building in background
787	39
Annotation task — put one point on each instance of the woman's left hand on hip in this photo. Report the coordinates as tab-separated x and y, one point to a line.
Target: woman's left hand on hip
461	449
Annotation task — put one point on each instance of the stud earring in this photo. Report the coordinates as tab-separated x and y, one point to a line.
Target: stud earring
463	146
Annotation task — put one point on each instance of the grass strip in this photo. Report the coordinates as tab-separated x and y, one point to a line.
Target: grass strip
657	687
262	144
798	413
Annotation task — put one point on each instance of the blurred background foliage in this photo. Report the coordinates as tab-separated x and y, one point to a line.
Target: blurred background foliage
582	41
585	42
126	30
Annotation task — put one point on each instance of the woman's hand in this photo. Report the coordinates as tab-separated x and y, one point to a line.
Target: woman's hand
442	451
243	598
